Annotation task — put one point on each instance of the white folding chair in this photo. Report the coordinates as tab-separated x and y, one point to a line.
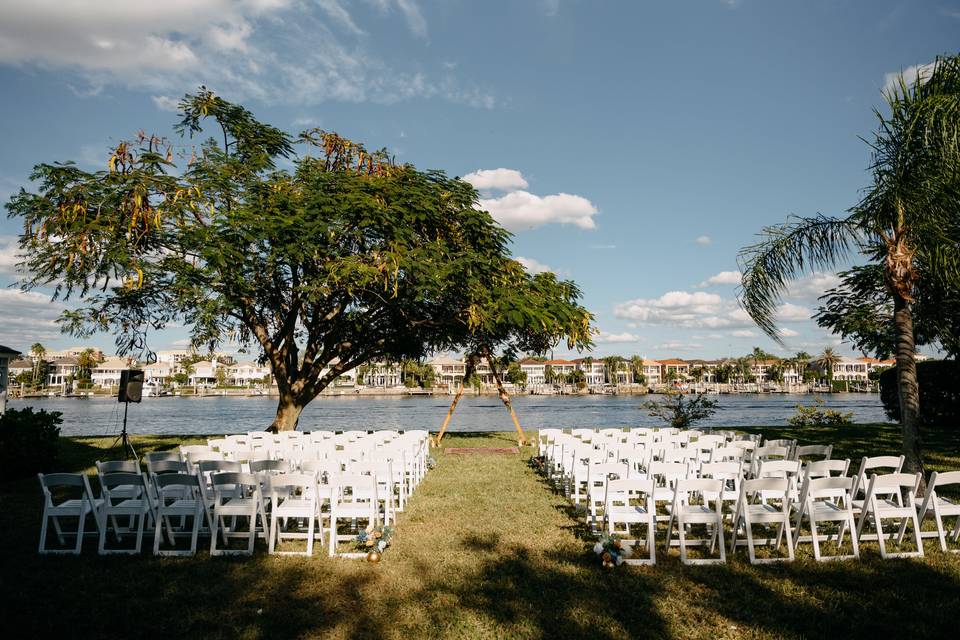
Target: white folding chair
235	495
80	504
691	506
124	494
630	502
827	499
749	511
356	499
294	497
177	496
597	477
892	497
938	507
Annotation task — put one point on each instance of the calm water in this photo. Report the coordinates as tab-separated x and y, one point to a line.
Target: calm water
216	415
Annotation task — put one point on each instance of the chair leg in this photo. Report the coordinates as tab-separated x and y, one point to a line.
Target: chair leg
157	534
815	537
723	549
214	522
683	541
43	533
272	538
56	527
79	545
786	530
310	536
854	541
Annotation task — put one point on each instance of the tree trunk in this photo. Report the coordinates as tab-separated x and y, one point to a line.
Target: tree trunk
907	385
288	413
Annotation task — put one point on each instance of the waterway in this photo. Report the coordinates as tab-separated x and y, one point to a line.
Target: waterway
219	415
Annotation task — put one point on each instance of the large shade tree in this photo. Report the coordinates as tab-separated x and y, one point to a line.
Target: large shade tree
313	251
906	225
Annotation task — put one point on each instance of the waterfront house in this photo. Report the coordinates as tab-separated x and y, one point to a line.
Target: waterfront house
107	374
159	374
7	355
679	368
594	371
20	366
204	373
61	372
535	370
652	372
245	374
447	372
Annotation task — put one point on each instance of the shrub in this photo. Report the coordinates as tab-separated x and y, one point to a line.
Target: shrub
939	382
680	412
28	441
817	416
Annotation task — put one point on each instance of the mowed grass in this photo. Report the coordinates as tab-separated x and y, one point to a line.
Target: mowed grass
485	549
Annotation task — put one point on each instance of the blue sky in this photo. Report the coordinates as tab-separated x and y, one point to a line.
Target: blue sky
632	146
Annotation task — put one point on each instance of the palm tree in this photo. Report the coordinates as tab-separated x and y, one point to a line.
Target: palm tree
906	222
38	351
827	361
636	370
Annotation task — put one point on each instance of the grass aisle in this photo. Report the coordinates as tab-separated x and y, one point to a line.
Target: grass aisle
485	550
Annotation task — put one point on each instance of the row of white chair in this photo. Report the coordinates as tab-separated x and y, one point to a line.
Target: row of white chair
206	489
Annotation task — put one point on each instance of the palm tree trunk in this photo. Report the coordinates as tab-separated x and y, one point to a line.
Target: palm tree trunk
907	385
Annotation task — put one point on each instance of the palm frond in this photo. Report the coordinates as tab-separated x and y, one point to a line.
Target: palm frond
784	252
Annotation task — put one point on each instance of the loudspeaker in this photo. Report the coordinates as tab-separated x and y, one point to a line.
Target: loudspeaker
131	385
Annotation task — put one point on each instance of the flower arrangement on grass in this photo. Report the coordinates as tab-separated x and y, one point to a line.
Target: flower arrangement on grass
374	540
431	462
611	550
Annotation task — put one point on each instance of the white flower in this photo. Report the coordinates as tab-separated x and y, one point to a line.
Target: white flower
619	561
598	548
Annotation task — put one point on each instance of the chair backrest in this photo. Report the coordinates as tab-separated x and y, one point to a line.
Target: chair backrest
893	463
219	466
300	484
777	468
161	456
128	481
166	467
355	487
727	454
895	481
938	480
721	470
704	486
767	485
50	482
832	488
822	451
230	480
769	452
269	466
826	468
786	443
176	480
320	467
117	466
666	474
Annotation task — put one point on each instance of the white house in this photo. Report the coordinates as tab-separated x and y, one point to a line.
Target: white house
204	373
107	373
248	373
62	370
159	374
594	371
447	371
7	355
535	370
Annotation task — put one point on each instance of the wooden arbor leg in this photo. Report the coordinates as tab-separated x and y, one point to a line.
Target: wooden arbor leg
505	398
456	398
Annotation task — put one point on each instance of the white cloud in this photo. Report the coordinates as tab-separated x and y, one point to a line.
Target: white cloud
676	345
533	266
698	310
615	338
703	240
411	12
496	179
306	121
743	333
166	103
812	286
242	49
8	255
521	210
789	312
602	247
27	317
910	75
724	277
789	333
550	7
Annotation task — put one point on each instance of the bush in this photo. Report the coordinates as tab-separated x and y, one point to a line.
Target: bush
28	441
939	382
817	416
680	412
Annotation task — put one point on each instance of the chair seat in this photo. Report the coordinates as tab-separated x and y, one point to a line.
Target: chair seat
133	506
73	507
889	509
181	505
828	510
295	508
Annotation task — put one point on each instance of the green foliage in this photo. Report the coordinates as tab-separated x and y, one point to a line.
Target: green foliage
939	382
681	410
29	441
516	376
345	258
816	415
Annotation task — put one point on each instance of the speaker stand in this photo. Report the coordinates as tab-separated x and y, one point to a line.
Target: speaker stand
123	440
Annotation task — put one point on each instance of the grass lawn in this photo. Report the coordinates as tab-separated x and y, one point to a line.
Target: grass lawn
485	549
